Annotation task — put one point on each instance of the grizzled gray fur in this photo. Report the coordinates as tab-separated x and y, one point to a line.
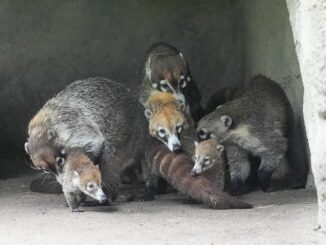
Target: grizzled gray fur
258	121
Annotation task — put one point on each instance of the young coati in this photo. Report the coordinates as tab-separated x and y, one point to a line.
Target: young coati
211	158
80	178
165	69
102	118
258	121
209	162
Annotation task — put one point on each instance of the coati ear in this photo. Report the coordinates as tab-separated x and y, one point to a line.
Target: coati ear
196	143
226	120
220	148
50	134
154	85
148	114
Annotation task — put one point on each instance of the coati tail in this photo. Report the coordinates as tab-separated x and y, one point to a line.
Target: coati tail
176	169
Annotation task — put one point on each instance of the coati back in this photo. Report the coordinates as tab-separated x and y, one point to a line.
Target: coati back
102	118
258	121
81	178
210	162
165	69
220	97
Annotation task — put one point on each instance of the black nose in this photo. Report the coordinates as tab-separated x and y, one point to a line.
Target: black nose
194	173
176	148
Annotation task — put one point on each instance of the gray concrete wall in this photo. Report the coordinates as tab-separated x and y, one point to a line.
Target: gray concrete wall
269	49
46	44
308	22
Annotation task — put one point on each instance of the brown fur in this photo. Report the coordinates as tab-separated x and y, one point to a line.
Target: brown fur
176	169
79	162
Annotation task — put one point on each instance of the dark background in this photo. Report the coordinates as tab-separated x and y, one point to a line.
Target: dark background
45	45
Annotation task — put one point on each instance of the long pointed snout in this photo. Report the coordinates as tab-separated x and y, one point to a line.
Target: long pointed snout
196	170
100	196
174	144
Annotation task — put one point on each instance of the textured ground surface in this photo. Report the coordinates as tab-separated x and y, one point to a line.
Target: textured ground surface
285	217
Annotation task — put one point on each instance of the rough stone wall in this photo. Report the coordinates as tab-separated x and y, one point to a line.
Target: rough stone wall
308	20
46	44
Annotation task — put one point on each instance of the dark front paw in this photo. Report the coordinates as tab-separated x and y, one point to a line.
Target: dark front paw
264	179
241	190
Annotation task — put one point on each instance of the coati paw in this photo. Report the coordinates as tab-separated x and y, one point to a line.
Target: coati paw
264	179
241	190
145	197
76	210
95	203
188	200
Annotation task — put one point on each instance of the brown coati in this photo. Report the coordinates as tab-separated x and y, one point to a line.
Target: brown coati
167	121
81	178
258	121
106	121
165	69
210	162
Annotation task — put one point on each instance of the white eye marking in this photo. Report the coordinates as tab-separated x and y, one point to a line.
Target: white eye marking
202	134
179	128
206	160
164	85
183	84
161	132
90	186
60	161
63	152
188	79
182	77
26	147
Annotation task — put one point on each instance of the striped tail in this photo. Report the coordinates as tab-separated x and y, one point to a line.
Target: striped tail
176	169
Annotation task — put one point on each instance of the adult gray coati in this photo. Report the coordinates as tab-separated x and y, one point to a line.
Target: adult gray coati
241	164
105	120
165	69
258	121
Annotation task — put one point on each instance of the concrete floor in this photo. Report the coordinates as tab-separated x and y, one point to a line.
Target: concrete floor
285	217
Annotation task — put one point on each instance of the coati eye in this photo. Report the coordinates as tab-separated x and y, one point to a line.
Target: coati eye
90	186
164	87
202	134
161	132
206	160
60	161
179	129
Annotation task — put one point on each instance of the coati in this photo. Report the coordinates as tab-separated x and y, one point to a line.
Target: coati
167	121
239	161
165	69
258	121
80	178
105	120
209	162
